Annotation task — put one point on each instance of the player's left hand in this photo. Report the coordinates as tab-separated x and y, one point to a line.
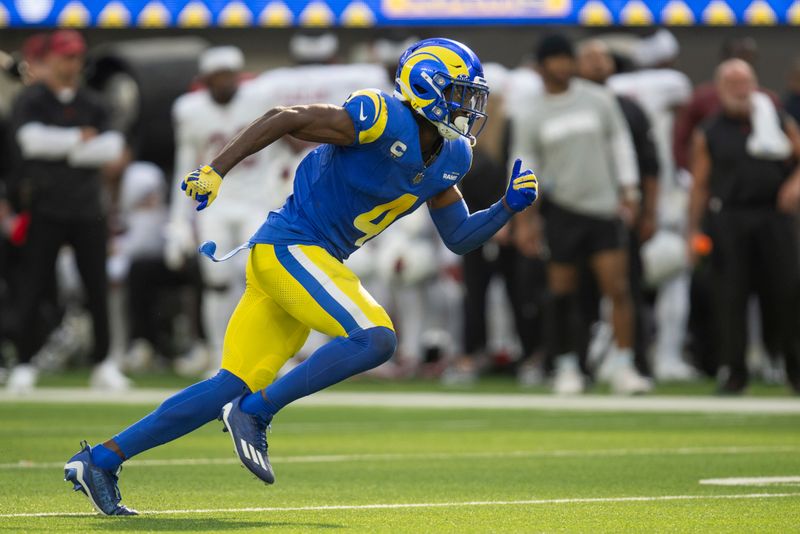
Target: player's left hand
202	185
523	188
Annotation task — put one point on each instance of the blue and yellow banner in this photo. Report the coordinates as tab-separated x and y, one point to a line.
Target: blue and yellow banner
368	13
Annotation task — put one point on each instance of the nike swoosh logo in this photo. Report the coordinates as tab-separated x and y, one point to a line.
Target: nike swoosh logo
361	115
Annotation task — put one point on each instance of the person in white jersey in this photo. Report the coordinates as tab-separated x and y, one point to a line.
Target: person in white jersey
204	122
662	90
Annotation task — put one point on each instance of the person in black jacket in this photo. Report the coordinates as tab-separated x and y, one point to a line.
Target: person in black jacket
745	197
63	135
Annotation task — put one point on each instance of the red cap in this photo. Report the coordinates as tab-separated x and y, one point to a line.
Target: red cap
35	47
67	43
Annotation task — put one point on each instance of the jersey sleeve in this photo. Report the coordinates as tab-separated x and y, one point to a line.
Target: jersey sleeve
370	114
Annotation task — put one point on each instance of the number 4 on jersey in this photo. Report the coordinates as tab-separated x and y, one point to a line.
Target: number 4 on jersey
378	218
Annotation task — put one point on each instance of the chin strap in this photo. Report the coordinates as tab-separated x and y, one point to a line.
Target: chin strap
208	248
451	131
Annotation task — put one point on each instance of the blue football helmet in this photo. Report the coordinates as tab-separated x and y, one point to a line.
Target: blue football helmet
443	81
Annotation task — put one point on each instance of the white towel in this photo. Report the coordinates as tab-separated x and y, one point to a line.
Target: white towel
767	141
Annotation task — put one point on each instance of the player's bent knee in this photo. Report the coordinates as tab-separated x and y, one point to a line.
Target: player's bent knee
381	342
384	341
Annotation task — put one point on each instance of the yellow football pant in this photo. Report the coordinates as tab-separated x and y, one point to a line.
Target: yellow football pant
290	290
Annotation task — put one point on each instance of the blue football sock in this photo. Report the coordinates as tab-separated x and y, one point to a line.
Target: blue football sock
256	403
105	458
180	414
333	362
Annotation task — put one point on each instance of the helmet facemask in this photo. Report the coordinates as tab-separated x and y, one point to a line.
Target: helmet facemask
464	106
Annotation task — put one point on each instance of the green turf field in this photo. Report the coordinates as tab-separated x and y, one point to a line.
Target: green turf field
418	470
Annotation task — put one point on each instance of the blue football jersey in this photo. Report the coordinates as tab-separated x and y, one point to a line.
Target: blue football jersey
346	195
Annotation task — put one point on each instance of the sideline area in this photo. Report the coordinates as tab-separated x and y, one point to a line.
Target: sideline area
584	403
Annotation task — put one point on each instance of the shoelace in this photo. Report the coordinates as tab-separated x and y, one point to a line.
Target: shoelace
263	426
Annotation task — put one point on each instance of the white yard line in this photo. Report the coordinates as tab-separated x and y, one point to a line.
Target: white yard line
393	506
584	403
752	481
334	458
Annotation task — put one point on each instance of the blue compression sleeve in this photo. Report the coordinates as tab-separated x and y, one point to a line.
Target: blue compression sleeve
180	414
462	231
338	359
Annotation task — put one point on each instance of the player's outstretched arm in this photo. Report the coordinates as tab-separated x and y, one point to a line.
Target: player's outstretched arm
463	231
319	123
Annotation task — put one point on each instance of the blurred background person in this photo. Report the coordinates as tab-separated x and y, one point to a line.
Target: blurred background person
662	90
204	122
498	258
596	64
745	196
704	100
138	266
28	67
62	132
704	103
576	137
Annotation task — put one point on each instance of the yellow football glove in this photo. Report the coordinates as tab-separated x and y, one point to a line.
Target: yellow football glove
202	185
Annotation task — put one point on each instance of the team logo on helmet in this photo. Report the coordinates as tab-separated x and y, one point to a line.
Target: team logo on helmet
443	81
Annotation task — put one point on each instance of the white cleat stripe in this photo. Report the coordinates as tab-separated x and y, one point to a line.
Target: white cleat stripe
253	453
245	445
261	460
78	467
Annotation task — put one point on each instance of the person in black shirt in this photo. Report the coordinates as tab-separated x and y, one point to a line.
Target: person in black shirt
745	195
523	277
497	257
62	133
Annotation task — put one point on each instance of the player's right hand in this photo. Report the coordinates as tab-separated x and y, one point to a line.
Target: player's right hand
202	185
523	188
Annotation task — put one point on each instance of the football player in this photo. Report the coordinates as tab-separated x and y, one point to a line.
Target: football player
382	157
